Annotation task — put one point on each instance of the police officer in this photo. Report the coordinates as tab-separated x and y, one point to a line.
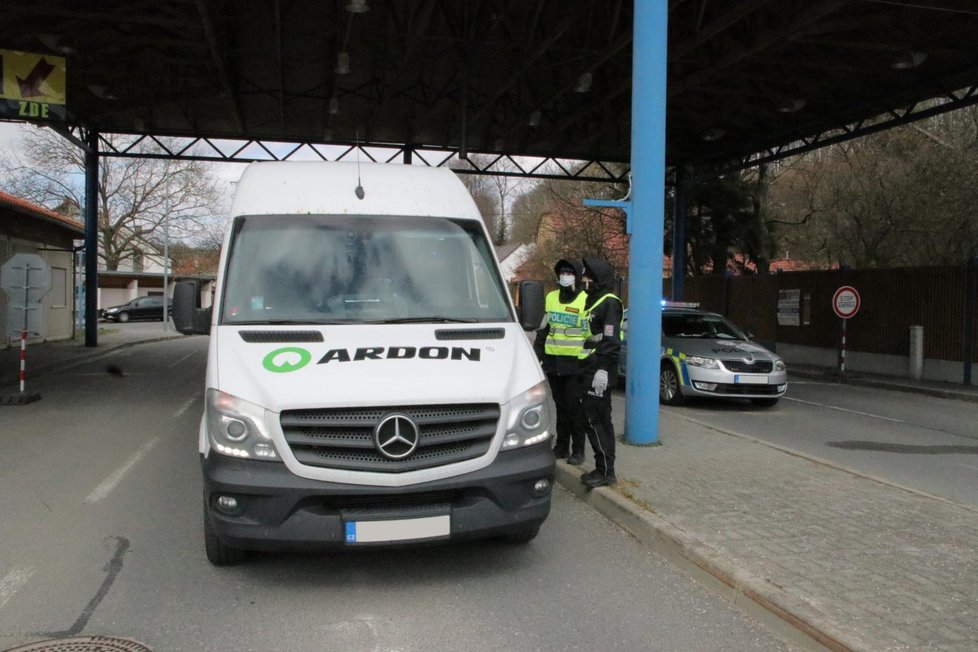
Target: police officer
559	344
604	313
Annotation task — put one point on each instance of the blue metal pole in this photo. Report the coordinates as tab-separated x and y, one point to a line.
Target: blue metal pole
650	36
91	239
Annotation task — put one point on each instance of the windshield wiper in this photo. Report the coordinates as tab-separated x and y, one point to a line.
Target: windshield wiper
422	320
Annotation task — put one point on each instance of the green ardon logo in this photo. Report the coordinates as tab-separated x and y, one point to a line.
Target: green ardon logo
273	363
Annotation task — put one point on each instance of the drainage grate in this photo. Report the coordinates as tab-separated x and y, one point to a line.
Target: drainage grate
85	644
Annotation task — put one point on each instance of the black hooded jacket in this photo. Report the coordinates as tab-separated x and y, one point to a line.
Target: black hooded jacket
605	322
559	365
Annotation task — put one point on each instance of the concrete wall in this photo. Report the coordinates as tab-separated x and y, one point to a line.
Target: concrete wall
951	371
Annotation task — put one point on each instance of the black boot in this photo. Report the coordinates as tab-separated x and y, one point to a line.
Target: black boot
590	475
598	480
576	459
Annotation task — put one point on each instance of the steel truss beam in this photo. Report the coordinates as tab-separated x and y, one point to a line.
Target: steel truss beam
894	118
248	151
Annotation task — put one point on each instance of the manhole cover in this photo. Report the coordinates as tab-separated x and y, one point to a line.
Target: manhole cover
84	644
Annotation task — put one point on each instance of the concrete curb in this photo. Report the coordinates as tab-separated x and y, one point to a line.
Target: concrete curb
790	618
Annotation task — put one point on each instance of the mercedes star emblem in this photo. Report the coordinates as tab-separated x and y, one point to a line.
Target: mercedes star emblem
396	436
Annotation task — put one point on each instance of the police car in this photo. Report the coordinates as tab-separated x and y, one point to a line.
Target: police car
705	354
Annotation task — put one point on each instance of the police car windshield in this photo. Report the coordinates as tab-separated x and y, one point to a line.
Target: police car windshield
700	325
319	269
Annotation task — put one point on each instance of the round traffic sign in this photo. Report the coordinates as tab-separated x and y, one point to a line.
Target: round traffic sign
845	301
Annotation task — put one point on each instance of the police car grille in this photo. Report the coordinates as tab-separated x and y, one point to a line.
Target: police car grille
342	438
756	367
746	390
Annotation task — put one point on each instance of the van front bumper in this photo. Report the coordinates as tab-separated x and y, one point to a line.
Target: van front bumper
278	510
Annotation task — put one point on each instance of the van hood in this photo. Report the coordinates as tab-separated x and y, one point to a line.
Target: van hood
284	368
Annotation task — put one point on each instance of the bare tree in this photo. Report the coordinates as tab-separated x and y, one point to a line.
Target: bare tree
137	197
492	192
902	197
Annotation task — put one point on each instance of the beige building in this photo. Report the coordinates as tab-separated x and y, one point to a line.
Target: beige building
32	229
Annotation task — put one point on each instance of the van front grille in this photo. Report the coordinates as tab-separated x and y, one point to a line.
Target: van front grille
343	438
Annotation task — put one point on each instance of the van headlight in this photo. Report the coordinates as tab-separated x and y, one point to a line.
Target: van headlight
699	361
529	418
236	427
779	365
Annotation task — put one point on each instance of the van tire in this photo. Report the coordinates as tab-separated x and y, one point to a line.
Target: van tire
765	402
217	553
123	317
669	385
521	536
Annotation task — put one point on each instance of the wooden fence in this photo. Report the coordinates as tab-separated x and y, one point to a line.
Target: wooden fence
943	300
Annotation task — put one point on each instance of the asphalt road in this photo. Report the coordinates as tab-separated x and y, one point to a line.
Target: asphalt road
100	534
920	442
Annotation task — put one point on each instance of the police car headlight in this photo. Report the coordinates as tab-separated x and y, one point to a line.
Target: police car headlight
779	365
698	361
529	418
236	427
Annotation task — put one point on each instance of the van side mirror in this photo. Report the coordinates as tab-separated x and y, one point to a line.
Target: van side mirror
531	305
187	317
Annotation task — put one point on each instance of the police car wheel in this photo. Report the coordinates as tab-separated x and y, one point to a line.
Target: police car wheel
669	391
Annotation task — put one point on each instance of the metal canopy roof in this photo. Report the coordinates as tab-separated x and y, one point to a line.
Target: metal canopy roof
548	78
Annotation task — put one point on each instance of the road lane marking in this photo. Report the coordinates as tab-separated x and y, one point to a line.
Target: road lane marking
182	359
841	409
967	466
110	482
184	407
13	582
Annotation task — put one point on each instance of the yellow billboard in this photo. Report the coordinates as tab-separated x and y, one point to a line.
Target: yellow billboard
32	86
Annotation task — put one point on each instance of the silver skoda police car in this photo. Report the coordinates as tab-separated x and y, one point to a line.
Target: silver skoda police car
705	354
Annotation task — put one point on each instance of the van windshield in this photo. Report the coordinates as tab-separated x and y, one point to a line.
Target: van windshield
318	269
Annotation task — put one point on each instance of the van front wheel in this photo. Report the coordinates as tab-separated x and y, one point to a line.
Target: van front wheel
218	553
521	536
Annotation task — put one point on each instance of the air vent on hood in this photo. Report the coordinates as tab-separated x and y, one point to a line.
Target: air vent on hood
281	336
470	334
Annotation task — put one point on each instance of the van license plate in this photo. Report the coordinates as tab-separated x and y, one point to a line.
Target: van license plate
750	380
405	529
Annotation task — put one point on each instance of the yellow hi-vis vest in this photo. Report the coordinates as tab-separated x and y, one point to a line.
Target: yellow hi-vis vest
567	323
588	337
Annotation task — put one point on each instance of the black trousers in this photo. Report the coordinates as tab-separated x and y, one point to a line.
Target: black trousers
600	431
566	391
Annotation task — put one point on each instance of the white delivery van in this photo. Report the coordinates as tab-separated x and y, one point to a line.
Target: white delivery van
368	380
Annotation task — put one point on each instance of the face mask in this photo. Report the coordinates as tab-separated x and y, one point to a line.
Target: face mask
566	280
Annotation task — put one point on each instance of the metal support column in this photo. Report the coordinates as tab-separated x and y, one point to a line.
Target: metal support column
91	239
679	235
648	205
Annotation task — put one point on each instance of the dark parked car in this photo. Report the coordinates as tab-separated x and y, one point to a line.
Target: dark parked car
141	308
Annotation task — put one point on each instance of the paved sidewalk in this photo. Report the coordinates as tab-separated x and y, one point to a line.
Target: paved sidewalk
849	561
47	357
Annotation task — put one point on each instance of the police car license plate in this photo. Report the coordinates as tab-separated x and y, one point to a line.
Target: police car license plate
405	529
750	380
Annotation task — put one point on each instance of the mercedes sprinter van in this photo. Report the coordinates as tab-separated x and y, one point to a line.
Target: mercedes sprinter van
368	379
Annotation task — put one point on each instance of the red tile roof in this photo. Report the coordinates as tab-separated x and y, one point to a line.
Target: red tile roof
33	210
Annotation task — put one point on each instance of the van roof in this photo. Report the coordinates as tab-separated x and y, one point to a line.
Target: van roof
328	188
